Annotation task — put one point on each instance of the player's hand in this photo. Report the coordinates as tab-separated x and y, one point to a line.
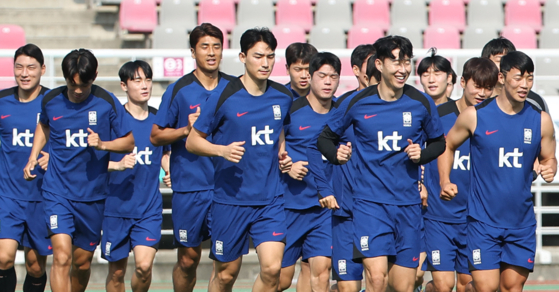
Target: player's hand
44	160
127	162
192	119
94	141
344	153
28	169
448	191
298	170
285	162
234	152
329	202
546	172
167	179
413	151
423	194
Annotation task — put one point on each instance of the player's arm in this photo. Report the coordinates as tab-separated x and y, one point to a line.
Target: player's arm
327	144
548	162
124	144
463	128
164	136
127	162
324	190
165	165
197	143
285	162
41	136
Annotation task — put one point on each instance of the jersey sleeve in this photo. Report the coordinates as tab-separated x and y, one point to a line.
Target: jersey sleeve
161	115
316	169
170	120
432	125
209	115
341	118
43	117
119	124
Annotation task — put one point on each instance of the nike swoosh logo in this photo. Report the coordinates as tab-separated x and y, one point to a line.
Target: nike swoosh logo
241	114
303	128
56	118
194	106
489	133
368	117
415	259
530	261
150	239
92	243
276	234
3	117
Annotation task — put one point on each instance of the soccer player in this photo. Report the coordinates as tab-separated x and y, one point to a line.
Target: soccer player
359	58
133	209
297	58
245	122
192	176
78	119
308	225
435	74
445	222
506	134
389	121
21	203
494	50
450	86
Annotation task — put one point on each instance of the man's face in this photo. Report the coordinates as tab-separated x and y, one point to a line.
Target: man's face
324	82
139	88
435	82
78	91
259	61
28	72
361	73
497	59
449	89
299	75
473	93
517	85
208	53
394	72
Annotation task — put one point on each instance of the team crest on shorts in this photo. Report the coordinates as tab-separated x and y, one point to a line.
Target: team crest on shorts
407	119
364	243
53	221
277	112
183	235
108	249
477	256
219	247
93	118
342	268
527	136
436	257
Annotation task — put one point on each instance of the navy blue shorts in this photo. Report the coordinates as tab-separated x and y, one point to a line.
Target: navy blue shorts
309	234
232	225
490	246
344	268
446	247
121	235
387	230
81	220
23	221
191	217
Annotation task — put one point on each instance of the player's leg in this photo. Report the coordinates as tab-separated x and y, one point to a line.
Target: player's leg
443	281
35	264
81	268
519	250
376	270
141	280
401	278
37	248
8	278
304	279
184	271
463	276
484	281
225	275
484	256
347	272
513	278
461	281
115	278
317	247
286	277
419	273
145	236
12	226
115	248
320	272
349	286
61	262
270	254
296	227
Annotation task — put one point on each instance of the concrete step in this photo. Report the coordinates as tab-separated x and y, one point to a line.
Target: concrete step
60	42
34	4
57	29
46	16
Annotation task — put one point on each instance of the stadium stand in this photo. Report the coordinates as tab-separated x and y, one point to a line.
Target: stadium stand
550	13
138	16
11	37
221	13
288	34
477	37
333	13
363	34
328	37
178	13
372	13
253	13
442	37
295	12
447	12
486	13
523	37
523	12
170	37
409	13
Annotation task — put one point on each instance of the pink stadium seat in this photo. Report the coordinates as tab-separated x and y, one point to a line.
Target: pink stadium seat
288	34
295	13
347	81
523	37
7	70
220	13
138	15
279	67
523	12
11	37
372	13
447	12
442	37
363	34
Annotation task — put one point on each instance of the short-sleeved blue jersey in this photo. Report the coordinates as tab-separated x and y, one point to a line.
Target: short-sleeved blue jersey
301	130
295	94
189	172
503	149
18	121
453	211
76	171
383	172
134	193
234	115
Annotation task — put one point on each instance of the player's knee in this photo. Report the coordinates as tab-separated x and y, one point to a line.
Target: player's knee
81	265
321	277
271	272
419	280
6	261
187	263
470	287
442	286
375	277
117	275
143	269
225	278
62	259
34	269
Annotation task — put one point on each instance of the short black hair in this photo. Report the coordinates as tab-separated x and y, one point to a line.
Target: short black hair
32	51
325	58
360	54
255	35
517	60
81	62
497	46
454	76
438	62
482	71
384	47
296	52
372	70
202	30
129	69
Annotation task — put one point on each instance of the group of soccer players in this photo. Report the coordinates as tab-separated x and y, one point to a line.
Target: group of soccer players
373	182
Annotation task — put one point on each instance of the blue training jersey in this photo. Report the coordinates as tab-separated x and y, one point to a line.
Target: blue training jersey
301	130
18	121
503	149
234	115
383	173
76	171
134	193
189	172
453	211
293	92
